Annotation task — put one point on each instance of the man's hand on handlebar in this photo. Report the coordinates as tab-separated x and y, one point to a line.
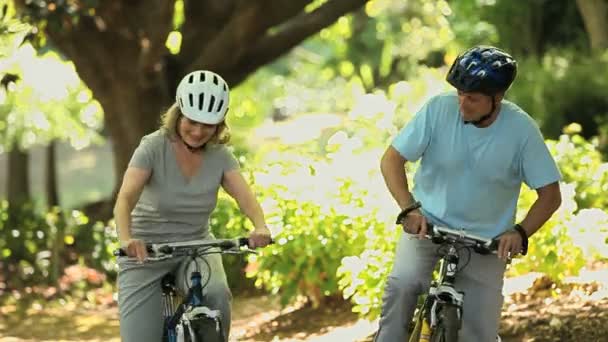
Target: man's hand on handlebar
510	244
415	223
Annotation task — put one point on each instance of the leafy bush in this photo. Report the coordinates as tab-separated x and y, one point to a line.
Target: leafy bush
311	241
37	247
362	278
23	236
581	165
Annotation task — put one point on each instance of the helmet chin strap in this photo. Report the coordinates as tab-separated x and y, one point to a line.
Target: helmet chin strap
193	149
190	148
483	118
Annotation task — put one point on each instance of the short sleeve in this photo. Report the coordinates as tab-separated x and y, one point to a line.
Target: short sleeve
414	138
537	165
228	159
143	157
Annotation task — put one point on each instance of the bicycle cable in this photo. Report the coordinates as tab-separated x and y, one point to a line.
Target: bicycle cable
194	260
442	251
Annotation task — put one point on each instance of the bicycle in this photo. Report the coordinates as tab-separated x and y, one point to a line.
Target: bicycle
440	316
183	322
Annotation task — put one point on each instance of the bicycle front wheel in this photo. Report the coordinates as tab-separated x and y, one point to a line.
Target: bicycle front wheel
447	326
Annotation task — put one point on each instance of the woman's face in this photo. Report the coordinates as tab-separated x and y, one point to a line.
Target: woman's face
194	133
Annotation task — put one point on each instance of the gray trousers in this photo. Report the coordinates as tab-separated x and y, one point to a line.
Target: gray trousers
481	280
139	294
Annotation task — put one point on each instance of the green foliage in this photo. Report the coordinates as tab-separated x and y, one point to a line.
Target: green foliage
29	239
524	28
382	43
563	87
311	243
552	250
46	100
581	165
23	234
362	278
57	14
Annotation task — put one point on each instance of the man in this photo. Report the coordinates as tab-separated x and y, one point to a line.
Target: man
475	150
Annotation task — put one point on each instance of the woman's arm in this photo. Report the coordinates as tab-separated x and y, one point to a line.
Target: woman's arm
236	186
133	183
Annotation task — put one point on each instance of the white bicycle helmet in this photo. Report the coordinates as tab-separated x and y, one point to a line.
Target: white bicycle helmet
202	96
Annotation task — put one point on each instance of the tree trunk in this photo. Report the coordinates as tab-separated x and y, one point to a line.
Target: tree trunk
18	178
58	229
595	17
52	195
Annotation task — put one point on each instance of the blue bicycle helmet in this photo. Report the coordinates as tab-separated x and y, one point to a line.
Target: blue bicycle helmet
484	69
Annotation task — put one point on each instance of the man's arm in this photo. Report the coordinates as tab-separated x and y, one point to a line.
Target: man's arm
392	168
548	201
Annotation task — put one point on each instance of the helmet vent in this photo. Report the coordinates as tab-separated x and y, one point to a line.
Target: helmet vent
211	103
202	77
225	87
215	80
191	99
201	98
219	106
181	103
191	79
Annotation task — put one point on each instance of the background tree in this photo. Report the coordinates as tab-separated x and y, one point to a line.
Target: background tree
119	50
595	16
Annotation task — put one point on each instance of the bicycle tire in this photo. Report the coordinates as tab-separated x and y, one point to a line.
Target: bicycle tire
447	326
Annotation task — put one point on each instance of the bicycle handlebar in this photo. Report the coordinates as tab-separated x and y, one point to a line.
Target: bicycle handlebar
182	248
440	235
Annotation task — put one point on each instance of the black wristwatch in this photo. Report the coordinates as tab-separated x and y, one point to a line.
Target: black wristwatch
407	210
524	238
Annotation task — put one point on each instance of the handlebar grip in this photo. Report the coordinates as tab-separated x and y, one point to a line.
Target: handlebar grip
244	241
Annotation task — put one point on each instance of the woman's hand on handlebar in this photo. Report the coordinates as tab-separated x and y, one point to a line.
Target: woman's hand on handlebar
260	237
415	223
135	248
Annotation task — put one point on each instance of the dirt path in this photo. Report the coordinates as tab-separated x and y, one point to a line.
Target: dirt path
578	312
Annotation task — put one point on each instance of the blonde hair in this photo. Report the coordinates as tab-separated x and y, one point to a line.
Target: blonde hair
170	120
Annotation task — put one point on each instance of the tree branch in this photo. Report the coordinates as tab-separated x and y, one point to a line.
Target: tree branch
248	21
152	21
203	20
293	33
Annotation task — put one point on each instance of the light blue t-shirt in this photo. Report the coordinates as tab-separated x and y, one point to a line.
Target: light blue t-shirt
470	178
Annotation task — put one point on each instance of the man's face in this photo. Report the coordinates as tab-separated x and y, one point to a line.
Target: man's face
473	105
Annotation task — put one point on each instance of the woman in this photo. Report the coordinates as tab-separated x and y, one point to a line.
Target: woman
168	193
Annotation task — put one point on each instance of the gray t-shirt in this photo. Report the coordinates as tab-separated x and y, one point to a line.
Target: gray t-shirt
170	207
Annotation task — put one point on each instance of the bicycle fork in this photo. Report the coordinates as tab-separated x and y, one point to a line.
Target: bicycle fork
441	293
